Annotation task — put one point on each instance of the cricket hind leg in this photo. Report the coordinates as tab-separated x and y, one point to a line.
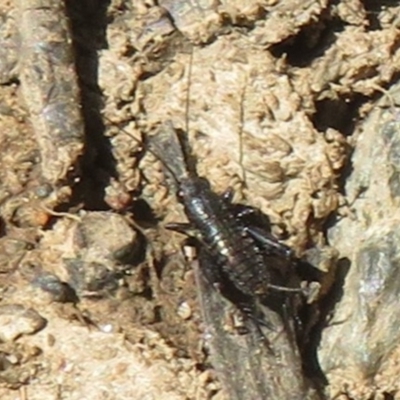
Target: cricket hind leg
258	226
184	228
269	242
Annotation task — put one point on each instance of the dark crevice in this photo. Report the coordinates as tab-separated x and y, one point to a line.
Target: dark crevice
310	43
340	114
88	26
143	213
388	396
326	307
373	8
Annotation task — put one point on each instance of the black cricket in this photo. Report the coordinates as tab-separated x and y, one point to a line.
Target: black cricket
236	249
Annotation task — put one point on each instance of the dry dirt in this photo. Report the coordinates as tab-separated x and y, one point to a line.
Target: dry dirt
282	100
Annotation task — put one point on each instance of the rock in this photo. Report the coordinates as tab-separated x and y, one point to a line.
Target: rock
17	320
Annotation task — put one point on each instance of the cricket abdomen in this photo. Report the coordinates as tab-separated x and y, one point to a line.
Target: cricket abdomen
225	239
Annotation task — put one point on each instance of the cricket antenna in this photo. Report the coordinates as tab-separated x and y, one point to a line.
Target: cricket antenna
189	84
241	128
169	146
165	144
167	140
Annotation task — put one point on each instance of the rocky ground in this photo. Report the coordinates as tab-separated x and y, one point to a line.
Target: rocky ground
292	104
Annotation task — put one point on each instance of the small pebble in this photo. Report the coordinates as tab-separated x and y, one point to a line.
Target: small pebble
184	310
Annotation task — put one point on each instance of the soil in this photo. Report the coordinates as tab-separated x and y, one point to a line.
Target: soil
98	299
